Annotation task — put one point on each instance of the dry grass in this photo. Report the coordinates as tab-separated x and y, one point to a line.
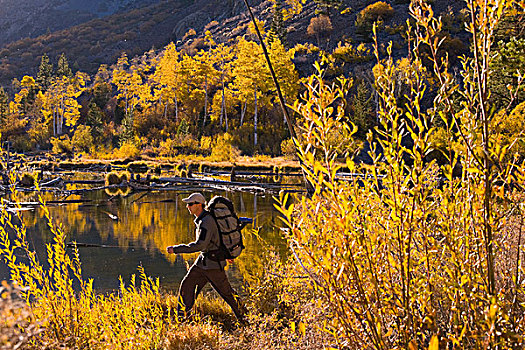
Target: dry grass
17	324
212	327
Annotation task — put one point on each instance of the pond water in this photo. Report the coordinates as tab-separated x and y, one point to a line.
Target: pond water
139	226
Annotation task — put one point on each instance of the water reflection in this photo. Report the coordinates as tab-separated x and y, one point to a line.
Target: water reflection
140	226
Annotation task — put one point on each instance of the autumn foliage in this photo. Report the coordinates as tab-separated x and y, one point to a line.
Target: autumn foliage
405	252
411	254
148	100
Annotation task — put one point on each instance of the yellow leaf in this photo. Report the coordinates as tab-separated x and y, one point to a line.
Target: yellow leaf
292	325
302	328
464	279
434	343
492	311
463	331
412	345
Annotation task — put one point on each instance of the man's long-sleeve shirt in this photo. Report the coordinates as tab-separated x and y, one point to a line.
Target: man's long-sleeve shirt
206	239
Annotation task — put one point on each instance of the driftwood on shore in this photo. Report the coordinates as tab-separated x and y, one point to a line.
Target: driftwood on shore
137	183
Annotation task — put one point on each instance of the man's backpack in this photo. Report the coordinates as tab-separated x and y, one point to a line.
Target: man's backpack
229	225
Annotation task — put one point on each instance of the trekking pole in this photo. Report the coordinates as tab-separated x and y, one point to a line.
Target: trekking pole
95	245
243	221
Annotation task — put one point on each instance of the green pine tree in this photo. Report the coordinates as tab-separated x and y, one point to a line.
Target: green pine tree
184	128
277	28
128	133
45	73
101	93
63	69
4	106
363	109
507	63
95	120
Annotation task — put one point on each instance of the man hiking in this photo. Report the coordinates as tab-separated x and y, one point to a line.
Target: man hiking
204	270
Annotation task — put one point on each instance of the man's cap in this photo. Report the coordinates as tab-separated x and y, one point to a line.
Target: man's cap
195	198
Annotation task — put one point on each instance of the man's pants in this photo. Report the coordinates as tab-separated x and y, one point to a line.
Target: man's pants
196	279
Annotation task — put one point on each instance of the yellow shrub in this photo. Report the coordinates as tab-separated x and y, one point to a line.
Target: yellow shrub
127	150
62	144
28	179
262	158
347	53
344	51
510	126
288	149
376	12
189	143
363	50
167	148
300	48
82	140
223	150
406	251
206	142
439	139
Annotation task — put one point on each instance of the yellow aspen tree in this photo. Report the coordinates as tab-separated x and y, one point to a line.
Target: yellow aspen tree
284	70
251	75
24	112
226	103
18	105
60	101
205	71
10	120
191	95
222	56
133	89
167	79
253	79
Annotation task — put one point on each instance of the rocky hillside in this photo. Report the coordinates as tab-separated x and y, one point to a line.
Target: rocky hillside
31	18
102	40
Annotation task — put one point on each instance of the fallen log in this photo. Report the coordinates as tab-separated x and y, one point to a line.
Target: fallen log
162	201
111	216
247	173
52	183
208	180
54	202
16	209
142	196
85	182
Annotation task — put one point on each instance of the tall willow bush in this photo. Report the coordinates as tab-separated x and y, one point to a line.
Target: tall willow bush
412	254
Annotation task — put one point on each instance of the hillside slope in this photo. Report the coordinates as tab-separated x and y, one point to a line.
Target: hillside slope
102	40
31	18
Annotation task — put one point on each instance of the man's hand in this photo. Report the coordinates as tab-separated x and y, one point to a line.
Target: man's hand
169	249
